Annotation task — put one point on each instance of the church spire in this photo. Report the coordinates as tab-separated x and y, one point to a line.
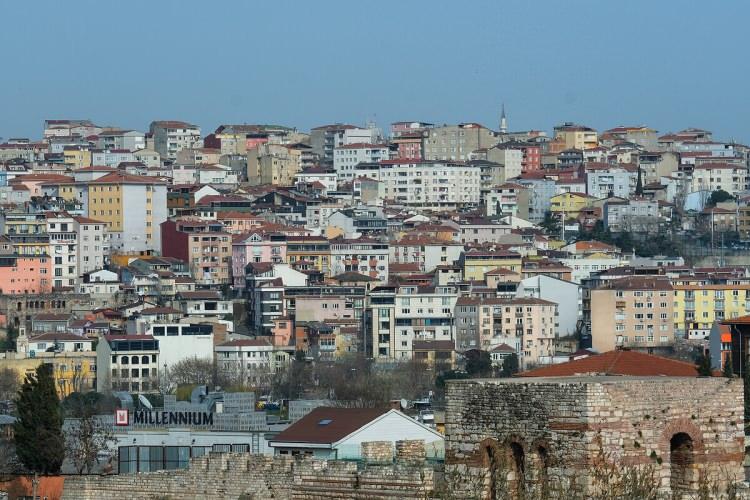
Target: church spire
503	121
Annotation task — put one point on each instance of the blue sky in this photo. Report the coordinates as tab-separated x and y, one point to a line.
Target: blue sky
666	64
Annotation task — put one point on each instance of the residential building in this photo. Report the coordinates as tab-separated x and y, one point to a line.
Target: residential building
701	301
346	157
172	136
255	247
435	185
567	206
606	181
635	312
456	142
479	229
728	177
133	207
204	245
574	136
275	164
507	199
631	215
529	325
362	255
428	252
326	138
478	262
400	315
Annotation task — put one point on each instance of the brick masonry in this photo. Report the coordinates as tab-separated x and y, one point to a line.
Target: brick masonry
255	477
567	427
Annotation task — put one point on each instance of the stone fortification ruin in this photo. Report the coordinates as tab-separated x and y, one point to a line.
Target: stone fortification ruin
508	437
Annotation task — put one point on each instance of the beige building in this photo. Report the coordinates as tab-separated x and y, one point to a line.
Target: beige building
729	177
634	312
171	136
576	136
528	325
275	164
456	142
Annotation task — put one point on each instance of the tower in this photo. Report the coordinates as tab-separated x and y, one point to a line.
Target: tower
503	121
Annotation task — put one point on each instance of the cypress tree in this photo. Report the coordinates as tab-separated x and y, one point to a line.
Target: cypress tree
38	436
639	184
728	368
703	365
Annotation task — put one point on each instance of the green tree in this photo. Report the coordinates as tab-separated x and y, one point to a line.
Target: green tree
639	183
550	224
38	430
703	365
728	369
718	196
510	366
478	363
11	334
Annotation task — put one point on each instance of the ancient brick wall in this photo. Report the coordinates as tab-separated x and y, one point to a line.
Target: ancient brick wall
529	430
258	477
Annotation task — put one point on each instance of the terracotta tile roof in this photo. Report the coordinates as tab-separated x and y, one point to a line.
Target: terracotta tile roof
327	425
631	363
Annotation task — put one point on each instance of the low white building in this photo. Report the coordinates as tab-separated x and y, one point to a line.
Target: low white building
338	433
346	157
181	341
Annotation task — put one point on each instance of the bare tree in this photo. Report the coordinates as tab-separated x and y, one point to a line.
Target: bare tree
85	440
193	371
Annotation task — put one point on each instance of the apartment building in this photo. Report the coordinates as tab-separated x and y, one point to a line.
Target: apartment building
435	185
573	136
204	245
507	199
309	252
346	157
428	252
527	324
479	230
256	246
632	215
170	136
133	207
635	312
476	263
326	138
275	164
111	157
362	255
456	142
127	363
248	361
699	301
729	177
605	181
398	316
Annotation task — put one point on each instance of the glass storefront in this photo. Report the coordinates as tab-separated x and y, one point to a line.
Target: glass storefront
152	458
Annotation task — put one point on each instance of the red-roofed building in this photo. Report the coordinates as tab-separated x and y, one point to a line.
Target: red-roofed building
618	362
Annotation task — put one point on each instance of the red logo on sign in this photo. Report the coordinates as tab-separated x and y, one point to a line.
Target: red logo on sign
121	417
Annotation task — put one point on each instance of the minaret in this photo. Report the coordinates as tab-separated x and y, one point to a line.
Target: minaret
503	121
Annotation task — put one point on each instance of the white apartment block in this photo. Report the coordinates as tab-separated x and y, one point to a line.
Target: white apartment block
172	136
731	178
401	315
436	185
345	158
78	245
610	182
131	140
111	157
364	256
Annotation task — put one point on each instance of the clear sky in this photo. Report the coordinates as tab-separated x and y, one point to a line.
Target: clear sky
666	64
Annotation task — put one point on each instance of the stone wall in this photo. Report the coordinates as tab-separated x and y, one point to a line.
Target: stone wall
261	477
517	433
377	451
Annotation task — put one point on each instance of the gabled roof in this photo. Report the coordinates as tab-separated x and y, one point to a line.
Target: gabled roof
630	363
326	425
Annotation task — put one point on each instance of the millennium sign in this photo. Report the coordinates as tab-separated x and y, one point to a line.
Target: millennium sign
150	417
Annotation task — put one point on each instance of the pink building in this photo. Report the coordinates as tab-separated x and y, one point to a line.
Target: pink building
25	274
255	246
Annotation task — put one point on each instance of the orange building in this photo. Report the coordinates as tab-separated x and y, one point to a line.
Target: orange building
25	274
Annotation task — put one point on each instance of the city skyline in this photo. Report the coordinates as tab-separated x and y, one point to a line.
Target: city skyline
398	62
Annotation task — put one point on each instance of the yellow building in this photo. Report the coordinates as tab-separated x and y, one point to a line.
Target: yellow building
309	252
567	206
698	303
478	262
73	371
576	136
76	157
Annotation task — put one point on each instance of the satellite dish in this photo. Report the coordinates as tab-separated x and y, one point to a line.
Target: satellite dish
404	404
145	402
